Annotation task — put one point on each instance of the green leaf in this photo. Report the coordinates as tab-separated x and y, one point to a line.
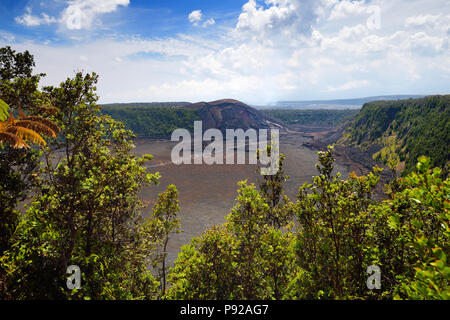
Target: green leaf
438	253
446	271
4	110
393	221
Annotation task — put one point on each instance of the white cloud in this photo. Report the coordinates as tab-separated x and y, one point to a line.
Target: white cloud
349	85
438	22
209	22
195	17
30	20
345	8
428	20
6	36
81	13
283	49
276	18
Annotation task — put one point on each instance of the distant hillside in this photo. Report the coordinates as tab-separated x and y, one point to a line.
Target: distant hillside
159	121
337	103
145	104
321	117
152	120
403	130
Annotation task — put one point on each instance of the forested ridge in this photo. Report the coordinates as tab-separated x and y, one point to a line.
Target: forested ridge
144	105
320	117
153	120
76	168
404	130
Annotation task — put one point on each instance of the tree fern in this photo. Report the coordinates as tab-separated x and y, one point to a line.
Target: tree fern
49	124
36	126
13	140
27	134
15	132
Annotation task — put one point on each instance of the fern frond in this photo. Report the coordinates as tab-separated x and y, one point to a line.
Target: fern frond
27	134
38	127
44	121
10	121
12	140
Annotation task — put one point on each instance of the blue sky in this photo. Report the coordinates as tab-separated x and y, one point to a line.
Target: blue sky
256	51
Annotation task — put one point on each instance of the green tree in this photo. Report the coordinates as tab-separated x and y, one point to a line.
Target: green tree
88	212
271	188
18	167
411	235
333	218
278	263
163	222
248	223
206	268
246	258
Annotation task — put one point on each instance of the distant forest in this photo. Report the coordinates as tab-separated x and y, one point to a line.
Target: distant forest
406	129
319	117
152	120
145	104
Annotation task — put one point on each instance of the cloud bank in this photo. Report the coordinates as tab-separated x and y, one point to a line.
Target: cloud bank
274	50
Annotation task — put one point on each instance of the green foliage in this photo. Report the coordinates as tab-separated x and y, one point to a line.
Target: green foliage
280	268
319	117
153	121
248	224
271	188
412	233
162	223
18	171
341	229
205	268
420	126
332	219
120	106
246	258
18	168
13	65
18	86
87	211
4	110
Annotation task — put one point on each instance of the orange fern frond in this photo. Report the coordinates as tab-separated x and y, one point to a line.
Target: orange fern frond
10	121
13	140
38	127
15	132
27	134
44	121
